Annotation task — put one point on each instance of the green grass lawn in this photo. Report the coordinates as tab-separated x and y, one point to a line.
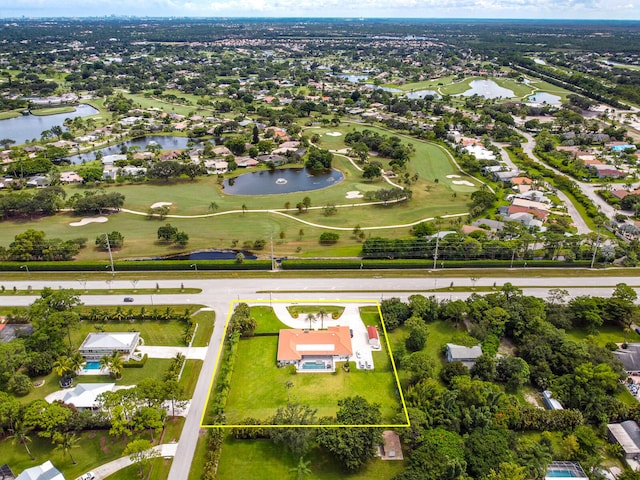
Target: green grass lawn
206	322
160	333
190	376
262	459
199	457
606	334
258	386
267	320
9	114
52	111
158	469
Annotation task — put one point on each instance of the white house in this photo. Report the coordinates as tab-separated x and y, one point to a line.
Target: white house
97	345
84	395
46	471
466	355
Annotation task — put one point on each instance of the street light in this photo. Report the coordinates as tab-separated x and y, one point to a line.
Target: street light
25	267
194	266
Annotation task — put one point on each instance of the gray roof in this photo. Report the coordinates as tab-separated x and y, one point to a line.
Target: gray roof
627	434
630	357
84	394
492	224
459	352
110	341
46	471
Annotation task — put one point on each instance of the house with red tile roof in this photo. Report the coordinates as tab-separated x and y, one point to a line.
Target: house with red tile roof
314	351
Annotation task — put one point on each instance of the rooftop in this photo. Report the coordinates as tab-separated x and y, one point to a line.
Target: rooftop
293	343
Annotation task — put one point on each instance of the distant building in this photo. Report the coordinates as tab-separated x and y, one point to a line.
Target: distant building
97	345
466	355
46	471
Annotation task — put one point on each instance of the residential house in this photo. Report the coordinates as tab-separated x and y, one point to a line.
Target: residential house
110	172
216	167
466	355
46	471
246	162
493	225
627	435
70	177
630	357
315	350
39	181
97	345
112	159
84	395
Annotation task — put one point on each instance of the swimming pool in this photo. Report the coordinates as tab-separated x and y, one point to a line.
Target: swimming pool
92	366
314	366
560	474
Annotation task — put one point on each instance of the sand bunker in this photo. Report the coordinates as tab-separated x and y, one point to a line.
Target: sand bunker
463	182
354	194
334	134
86	221
161	204
453	176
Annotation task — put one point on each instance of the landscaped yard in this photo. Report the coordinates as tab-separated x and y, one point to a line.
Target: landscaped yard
159	333
258	385
314	309
267	320
262	459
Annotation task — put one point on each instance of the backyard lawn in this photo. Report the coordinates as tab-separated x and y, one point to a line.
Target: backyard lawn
262	459
267	320
258	385
159	333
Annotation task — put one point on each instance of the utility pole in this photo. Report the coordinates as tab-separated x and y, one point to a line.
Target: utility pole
595	250
106	236
435	254
273	260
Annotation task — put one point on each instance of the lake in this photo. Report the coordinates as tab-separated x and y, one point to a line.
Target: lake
422	94
352	78
487	89
289	180
166	142
28	127
386	89
544	97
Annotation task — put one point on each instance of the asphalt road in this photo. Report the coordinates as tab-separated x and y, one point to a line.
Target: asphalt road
220	293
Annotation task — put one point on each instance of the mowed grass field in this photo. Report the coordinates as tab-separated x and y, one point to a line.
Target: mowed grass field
434	195
258	385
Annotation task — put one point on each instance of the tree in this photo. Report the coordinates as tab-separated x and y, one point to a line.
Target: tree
62	366
353	446
20	435
372	171
182	238
486	449
418	333
311	318
65	442
140	452
167	232
440	457
322	314
513	371
301	469
116	240
297	440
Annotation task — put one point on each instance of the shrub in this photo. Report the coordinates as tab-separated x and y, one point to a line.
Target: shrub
329	238
135	363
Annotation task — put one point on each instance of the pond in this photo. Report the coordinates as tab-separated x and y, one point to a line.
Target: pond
211	255
28	127
544	97
266	182
422	94
165	142
386	89
487	89
353	78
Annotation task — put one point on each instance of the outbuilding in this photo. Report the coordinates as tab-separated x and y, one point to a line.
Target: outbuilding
374	338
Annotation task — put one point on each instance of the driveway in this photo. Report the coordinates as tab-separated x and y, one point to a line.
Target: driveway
103	471
195	353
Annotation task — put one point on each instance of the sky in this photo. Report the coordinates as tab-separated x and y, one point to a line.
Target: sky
544	9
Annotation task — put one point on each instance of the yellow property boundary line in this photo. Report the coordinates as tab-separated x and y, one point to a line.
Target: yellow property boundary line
307	302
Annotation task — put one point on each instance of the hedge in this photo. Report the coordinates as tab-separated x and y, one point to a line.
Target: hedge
135	363
352	264
142	265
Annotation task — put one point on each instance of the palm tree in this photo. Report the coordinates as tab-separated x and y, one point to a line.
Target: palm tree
301	469
66	442
75	361
288	385
116	365
312	318
21	435
213	206
322	313
62	366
